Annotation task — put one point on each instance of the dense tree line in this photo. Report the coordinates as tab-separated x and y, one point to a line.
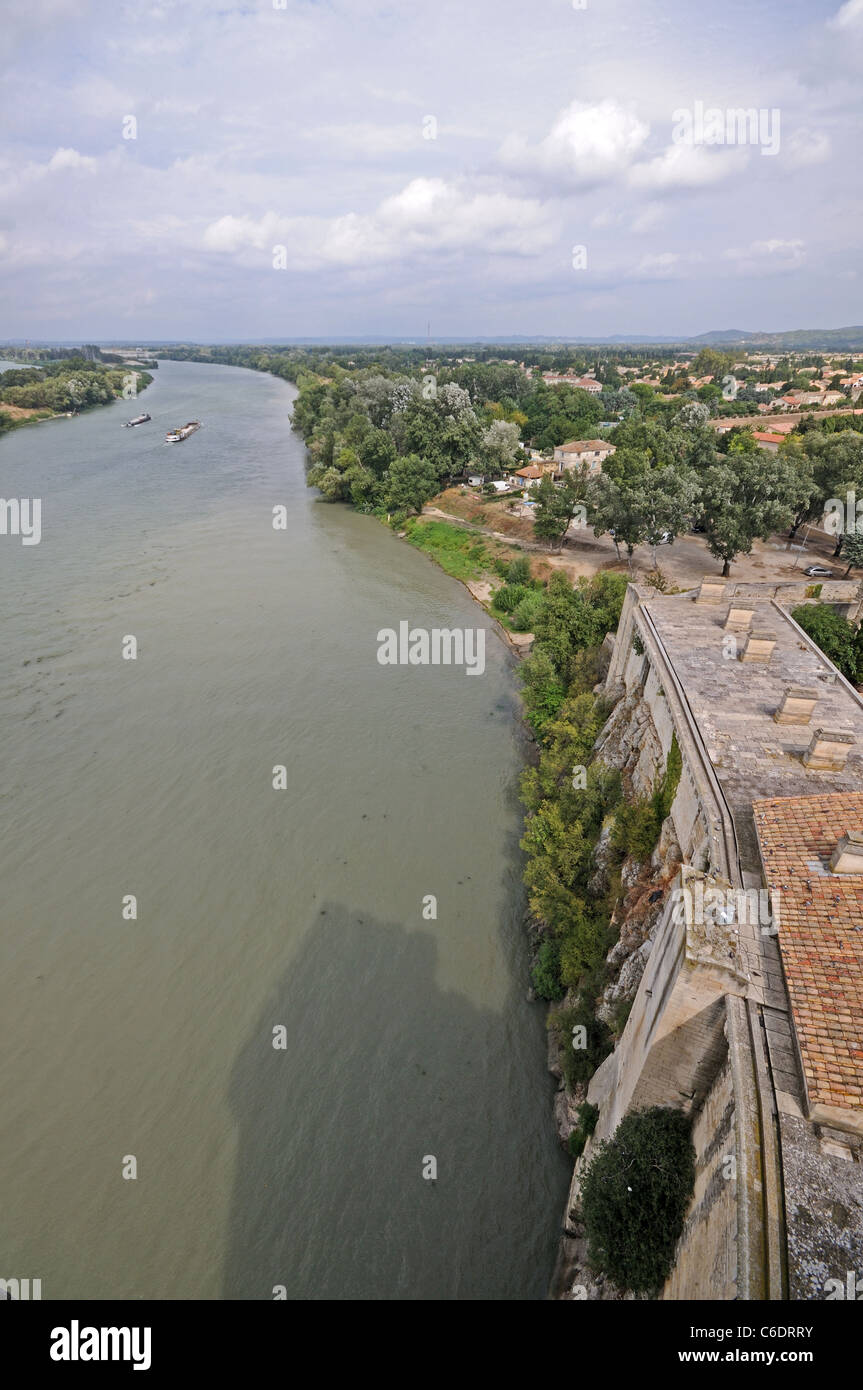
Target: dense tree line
386	432
390	442
71	384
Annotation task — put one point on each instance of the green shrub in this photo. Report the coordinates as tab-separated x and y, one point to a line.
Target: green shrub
545	974
579	1063
587	1117
636	829
634	1197
524	617
544	690
622	1010
508	598
666	791
830	631
518	571
582	946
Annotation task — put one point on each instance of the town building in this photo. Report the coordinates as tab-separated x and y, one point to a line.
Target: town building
768	440
589	454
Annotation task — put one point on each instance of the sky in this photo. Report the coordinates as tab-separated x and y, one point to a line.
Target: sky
218	171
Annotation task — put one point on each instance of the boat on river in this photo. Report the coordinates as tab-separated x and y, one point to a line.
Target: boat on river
174	436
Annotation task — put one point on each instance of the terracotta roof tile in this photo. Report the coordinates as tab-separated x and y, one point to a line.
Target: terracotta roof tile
820	919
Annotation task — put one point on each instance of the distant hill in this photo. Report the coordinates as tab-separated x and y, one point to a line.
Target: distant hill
726	335
835	339
798	339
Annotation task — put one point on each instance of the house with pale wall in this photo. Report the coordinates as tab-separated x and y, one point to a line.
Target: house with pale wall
589	454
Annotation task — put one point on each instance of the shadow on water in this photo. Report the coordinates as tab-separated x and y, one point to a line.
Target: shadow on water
329	1198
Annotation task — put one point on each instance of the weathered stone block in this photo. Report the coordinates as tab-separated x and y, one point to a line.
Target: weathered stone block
798	705
847	857
828	751
758	646
739	618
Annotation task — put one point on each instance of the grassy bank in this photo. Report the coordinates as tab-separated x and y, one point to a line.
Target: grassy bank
457	551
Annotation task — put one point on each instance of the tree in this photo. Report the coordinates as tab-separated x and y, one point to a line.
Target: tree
634	1197
739	440
748	497
853	551
330	482
411	482
667	496
830	631
571	619
709	362
836	466
556	507
443	429
699	439
499	446
544	689
377	451
618	505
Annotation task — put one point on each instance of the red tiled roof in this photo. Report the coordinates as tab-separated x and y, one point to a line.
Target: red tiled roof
820	919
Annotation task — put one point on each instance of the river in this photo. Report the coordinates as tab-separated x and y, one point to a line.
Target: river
146	1044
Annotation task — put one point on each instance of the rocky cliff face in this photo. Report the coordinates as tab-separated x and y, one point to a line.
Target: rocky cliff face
629	745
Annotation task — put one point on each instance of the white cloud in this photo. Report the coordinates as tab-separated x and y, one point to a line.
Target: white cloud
848	17
660	264
586	145
428	216
321	124
665	265
69	159
687	166
834	54
35	19
649	217
767	257
809	147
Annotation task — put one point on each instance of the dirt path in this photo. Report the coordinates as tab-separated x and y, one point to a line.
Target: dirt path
684	563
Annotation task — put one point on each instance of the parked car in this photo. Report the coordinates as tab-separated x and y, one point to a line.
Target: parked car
814	570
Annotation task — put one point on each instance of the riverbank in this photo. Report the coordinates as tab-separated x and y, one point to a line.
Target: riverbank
471	563
32	393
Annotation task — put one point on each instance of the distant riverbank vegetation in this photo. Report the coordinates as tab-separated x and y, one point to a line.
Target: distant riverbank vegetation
74	383
388	428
